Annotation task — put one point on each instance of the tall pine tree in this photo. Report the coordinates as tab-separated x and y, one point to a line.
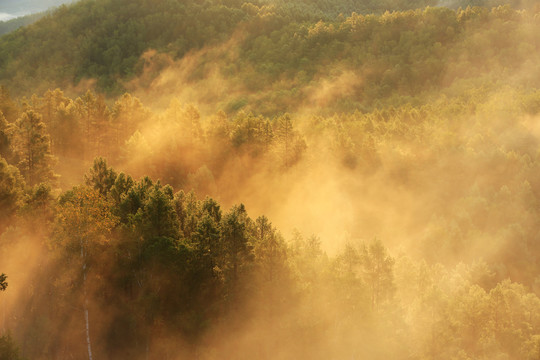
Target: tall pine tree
32	148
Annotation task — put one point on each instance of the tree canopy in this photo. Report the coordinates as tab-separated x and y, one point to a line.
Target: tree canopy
290	180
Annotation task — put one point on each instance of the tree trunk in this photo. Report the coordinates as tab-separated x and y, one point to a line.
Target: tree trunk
85	306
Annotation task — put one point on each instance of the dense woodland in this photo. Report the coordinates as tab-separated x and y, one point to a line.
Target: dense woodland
274	51
271	180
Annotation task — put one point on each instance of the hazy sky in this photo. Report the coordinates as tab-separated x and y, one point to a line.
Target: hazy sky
10	9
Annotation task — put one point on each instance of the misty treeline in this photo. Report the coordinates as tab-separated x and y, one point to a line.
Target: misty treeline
277	52
148	270
175	145
13	24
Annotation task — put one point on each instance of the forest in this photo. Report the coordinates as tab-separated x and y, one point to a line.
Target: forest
271	180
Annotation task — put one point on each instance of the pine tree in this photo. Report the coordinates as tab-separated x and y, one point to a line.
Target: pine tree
290	145
83	223
235	242
32	147
378	271
11	192
5	150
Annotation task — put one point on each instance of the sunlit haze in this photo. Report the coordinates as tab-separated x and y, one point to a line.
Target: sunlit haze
270	179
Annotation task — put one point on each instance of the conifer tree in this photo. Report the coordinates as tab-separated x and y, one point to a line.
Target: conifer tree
11	192
83	223
5	150
32	147
378	270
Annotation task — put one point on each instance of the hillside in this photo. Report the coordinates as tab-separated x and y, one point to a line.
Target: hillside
274	47
16	14
26	7
14	24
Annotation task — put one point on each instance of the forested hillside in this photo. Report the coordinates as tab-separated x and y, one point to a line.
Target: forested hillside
271	180
13	24
24	7
270	50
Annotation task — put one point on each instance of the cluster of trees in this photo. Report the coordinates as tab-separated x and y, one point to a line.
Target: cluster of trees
471	162
127	264
220	155
111	36
182	267
389	59
40	130
159	261
13	24
280	57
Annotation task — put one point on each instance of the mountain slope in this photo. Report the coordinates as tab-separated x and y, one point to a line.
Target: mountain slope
24	7
274	56
14	24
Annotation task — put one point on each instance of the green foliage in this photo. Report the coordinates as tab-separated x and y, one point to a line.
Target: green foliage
38	207
4	137
11	192
111	36
14	24
101	178
270	252
289	144
377	268
390	55
32	149
180	264
235	243
83	220
158	214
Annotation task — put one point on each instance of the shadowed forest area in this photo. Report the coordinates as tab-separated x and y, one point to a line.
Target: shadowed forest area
271	180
